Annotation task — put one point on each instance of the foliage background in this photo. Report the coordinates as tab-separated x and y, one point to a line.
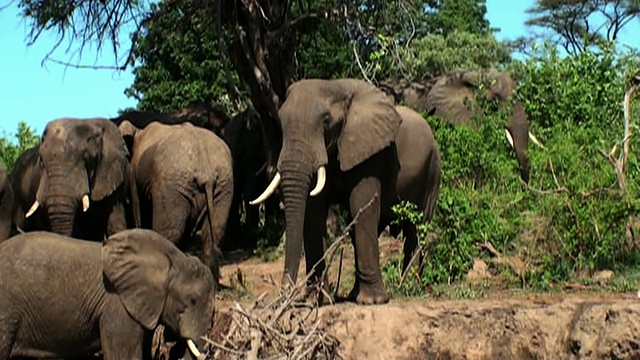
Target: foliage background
569	222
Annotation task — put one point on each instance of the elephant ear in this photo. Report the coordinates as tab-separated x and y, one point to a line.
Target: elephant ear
371	124
139	271
451	96
113	166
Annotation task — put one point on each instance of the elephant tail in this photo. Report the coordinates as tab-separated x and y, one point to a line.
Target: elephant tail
434	173
213	234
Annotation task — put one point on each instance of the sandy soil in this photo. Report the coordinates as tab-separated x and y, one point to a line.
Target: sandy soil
560	326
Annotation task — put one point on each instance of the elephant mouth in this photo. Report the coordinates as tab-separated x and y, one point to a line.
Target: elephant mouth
273	185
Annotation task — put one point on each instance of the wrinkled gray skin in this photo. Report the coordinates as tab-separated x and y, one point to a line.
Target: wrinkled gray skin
352	129
6	205
62	297
176	192
451	97
244	138
76	157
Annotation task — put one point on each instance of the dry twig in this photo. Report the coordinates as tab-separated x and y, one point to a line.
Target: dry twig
620	161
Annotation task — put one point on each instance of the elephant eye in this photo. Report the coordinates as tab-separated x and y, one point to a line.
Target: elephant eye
192	301
326	119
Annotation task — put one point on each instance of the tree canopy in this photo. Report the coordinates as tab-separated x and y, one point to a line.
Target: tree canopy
579	24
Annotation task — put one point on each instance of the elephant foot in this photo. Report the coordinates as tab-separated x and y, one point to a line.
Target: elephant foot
369	294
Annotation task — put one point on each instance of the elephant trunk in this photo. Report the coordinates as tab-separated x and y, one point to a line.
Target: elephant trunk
61	216
296	180
523	164
62	199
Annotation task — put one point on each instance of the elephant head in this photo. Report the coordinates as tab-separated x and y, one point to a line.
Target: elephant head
452	98
325	120
413	94
81	161
159	284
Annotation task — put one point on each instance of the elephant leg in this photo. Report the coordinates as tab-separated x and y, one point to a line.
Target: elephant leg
169	215
272	216
121	337
368	288
252	217
315	245
410	246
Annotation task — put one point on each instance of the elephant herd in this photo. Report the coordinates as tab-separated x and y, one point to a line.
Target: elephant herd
96	220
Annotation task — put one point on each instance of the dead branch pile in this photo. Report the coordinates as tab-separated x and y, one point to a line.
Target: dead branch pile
284	328
287	327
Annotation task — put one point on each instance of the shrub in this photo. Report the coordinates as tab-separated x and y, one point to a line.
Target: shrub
572	218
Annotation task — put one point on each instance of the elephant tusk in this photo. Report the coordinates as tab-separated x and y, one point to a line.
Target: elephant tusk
194	350
33	208
535	140
509	138
268	191
85	203
322	179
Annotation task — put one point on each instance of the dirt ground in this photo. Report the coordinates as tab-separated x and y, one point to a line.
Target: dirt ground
534	326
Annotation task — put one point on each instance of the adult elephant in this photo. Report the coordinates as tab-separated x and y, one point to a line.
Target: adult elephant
6	205
74	182
243	136
203	115
64	297
363	150
177	192
451	97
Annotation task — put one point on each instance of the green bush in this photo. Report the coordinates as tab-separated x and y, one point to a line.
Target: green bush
572	218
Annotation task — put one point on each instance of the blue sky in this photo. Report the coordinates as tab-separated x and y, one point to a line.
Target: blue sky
37	94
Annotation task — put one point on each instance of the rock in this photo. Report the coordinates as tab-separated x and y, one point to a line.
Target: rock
602	277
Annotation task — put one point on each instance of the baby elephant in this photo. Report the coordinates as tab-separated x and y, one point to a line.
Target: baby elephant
64	297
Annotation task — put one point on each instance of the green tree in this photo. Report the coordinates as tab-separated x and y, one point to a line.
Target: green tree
435	55
178	61
25	138
453	34
446	16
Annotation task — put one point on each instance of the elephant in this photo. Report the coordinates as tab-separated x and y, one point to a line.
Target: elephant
6	205
74	182
447	97
363	150
64	297
243	136
177	193
203	115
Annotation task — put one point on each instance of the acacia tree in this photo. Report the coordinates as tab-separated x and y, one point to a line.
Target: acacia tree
578	24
